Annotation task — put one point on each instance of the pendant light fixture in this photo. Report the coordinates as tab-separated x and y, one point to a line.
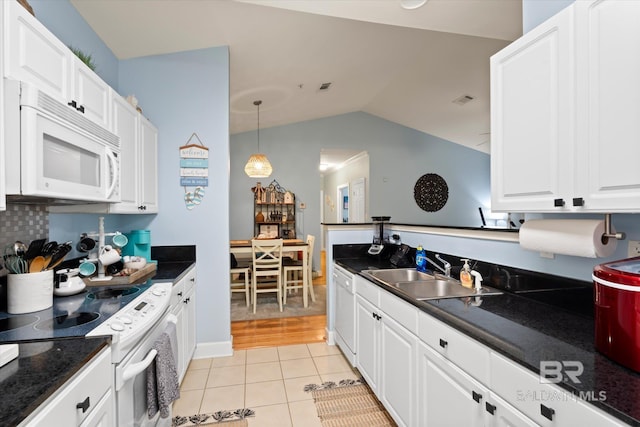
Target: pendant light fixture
258	165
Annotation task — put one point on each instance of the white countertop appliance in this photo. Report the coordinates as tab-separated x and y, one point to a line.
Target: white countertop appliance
62	157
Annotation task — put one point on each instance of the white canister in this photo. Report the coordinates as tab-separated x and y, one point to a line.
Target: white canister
29	292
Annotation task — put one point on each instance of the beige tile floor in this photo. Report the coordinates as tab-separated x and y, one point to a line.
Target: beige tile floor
268	380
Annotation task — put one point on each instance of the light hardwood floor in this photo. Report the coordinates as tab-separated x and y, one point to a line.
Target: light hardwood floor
284	331
278	332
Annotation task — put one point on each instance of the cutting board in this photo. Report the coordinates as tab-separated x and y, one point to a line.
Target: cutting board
124	280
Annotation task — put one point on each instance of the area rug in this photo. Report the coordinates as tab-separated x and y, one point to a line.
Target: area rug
232	418
268	306
350	403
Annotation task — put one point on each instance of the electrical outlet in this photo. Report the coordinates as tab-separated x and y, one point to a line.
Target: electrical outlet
634	248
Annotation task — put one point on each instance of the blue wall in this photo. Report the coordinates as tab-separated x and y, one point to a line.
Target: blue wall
398	156
535	12
183	93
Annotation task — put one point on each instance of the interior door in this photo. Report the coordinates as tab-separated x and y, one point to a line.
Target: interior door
357	202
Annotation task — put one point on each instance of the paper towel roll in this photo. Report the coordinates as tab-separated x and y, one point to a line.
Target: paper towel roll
577	237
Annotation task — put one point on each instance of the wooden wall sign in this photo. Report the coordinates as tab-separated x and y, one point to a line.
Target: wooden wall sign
194	171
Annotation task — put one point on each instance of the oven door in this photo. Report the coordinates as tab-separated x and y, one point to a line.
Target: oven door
131	381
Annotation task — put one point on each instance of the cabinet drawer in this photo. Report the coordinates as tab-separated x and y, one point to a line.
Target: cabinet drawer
189	280
469	355
546	404
400	311
86	388
367	290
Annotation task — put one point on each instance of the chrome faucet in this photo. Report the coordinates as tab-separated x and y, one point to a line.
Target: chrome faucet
447	267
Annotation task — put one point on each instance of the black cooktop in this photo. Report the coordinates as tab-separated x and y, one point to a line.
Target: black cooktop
70	316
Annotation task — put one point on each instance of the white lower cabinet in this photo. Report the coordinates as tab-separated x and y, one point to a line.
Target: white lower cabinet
398	371
103	414
183	306
546	404
386	355
429	374
447	396
367	341
86	400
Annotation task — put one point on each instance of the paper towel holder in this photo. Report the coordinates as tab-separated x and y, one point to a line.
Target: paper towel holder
607	231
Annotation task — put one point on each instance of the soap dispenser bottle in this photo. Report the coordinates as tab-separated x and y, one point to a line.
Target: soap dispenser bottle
465	274
421	259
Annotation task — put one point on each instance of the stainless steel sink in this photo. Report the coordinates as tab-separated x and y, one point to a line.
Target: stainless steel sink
398	275
424	286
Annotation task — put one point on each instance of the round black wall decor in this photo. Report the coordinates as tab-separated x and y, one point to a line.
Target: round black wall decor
431	192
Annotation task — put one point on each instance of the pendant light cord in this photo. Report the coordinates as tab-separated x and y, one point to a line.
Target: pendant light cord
257	104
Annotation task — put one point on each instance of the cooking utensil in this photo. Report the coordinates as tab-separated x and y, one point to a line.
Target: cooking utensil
37	264
19	248
58	254
15	264
34	249
48	248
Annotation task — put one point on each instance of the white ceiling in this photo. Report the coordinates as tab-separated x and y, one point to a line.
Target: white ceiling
406	66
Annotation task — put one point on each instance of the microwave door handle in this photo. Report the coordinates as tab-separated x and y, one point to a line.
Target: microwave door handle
114	168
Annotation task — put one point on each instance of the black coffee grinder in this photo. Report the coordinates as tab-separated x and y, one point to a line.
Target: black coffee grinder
380	235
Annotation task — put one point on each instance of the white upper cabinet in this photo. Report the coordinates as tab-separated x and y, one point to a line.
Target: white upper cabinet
148	163
531	117
33	54
608	67
126	125
563	116
3	200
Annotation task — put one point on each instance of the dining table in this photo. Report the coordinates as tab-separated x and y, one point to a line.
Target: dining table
240	247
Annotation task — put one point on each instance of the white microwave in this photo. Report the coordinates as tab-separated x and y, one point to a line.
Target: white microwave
54	154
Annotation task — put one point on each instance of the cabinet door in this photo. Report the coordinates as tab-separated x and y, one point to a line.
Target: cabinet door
34	55
448	396
608	67
398	372
103	415
189	329
92	94
3	203
501	414
125	125
148	166
367	342
532	118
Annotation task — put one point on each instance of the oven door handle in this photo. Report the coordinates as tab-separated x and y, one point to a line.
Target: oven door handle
136	368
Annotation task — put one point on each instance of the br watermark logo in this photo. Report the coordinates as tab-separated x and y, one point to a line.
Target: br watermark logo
554	372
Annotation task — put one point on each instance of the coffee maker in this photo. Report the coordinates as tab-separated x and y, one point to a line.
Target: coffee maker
380	234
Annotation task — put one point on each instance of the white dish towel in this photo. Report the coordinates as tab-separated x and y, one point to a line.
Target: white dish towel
162	376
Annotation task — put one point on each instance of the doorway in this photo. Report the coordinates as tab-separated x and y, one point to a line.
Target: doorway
343	203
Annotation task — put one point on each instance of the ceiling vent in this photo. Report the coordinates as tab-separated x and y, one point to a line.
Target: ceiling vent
464	99
324	87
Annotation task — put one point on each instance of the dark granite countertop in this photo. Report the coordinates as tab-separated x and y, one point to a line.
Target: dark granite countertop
40	369
530	327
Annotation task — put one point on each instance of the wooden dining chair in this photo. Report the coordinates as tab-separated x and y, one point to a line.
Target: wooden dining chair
267	268
240	281
293	277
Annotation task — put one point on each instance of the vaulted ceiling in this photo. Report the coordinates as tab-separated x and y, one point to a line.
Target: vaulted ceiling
406	66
